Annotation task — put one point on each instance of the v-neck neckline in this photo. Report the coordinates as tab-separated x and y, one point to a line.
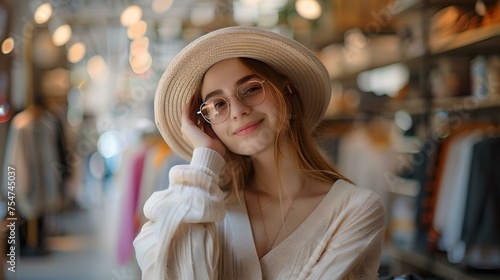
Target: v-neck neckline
291	236
241	247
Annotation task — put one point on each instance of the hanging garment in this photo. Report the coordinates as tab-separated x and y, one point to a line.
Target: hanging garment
450	207
481	230
129	221
151	174
33	148
367	163
172	160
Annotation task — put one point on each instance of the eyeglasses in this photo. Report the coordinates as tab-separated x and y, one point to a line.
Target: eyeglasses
216	110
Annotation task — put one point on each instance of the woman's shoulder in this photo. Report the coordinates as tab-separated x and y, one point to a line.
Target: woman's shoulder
354	196
357	205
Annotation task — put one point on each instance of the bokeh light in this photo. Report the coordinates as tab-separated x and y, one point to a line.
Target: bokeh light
8	45
43	13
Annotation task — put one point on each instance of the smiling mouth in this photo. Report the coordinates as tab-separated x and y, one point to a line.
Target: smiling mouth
248	129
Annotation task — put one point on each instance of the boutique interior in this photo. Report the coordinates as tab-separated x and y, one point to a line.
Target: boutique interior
414	116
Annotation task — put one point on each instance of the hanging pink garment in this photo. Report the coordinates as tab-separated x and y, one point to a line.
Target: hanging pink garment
129	223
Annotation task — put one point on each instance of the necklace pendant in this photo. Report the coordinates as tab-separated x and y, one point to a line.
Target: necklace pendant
270	246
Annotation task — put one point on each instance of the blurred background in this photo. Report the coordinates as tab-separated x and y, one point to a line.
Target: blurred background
414	116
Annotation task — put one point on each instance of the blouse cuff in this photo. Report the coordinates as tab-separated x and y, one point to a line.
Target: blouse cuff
208	158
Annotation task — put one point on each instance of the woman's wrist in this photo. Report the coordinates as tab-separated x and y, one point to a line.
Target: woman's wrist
208	158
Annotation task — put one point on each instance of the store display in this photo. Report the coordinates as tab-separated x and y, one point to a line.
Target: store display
452	54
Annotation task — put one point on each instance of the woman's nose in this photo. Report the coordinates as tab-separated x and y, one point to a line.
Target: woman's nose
238	108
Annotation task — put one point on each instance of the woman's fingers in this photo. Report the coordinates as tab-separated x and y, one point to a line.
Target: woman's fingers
195	135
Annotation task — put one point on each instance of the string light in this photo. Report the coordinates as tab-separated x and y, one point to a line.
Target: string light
76	52
43	13
131	15
61	35
8	45
308	9
97	68
137	30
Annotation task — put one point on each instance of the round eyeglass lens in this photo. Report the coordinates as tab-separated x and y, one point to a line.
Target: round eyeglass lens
252	93
215	110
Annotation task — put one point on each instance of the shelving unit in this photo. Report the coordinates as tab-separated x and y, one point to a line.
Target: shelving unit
468	44
483	40
479	41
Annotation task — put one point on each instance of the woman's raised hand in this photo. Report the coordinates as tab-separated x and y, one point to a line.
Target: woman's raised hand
199	133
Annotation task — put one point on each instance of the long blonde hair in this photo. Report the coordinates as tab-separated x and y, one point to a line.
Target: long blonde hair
307	157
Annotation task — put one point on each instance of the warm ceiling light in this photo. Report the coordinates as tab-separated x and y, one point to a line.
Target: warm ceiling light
131	15
141	62
61	35
97	68
308	9
137	29
76	52
139	45
43	13
8	45
159	6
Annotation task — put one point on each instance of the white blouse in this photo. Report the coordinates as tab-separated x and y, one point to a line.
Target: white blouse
193	233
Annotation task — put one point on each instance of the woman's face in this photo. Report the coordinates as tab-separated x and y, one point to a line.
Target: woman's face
247	130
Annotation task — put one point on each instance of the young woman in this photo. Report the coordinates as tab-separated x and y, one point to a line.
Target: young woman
258	199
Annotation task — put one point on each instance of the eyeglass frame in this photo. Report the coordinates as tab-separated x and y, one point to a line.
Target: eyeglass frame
229	103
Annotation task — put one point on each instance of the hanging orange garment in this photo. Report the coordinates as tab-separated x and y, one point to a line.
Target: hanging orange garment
153	163
162	152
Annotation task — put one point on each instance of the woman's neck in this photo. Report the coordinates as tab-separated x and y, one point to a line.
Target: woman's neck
267	176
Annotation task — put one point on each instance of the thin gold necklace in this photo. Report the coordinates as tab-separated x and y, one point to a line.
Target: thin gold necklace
270	244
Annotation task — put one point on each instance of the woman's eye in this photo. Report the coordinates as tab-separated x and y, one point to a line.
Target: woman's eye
252	89
219	104
215	103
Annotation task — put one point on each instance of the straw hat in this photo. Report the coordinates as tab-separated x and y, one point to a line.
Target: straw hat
184	74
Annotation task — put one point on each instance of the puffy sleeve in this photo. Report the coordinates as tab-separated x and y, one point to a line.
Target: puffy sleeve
178	240
354	248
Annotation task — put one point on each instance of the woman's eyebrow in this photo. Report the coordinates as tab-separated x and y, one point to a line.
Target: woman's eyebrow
246	79
239	82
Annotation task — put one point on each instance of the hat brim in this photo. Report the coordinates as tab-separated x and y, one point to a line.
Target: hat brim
184	74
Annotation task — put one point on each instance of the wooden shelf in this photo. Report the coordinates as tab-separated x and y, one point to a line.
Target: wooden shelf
351	72
420	106
406	261
413	106
405	8
465	103
482	39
